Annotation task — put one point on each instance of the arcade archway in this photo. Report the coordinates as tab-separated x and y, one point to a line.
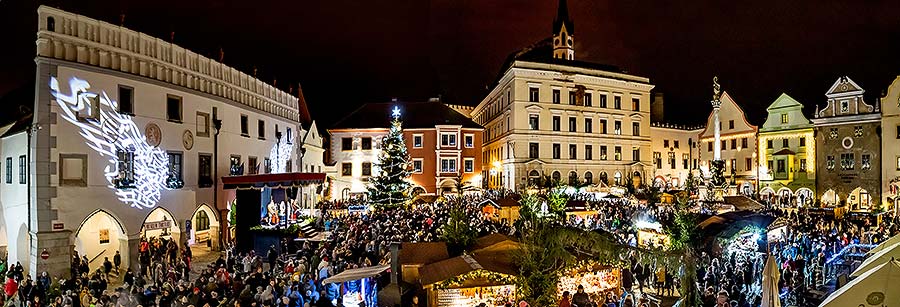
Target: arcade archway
204	228
859	199
101	235
804	197
160	223
829	199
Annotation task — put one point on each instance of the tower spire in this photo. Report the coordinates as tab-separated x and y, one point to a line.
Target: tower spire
563	33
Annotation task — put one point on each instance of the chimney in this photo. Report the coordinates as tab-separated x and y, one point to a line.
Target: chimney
657	110
396	274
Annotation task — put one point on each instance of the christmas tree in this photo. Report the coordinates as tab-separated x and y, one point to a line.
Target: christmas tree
389	188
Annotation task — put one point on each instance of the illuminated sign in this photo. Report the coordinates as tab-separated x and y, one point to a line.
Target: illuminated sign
108	132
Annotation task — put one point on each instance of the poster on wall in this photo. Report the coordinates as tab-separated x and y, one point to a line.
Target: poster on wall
104	236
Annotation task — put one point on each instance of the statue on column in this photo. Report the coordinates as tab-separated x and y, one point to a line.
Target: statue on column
717	89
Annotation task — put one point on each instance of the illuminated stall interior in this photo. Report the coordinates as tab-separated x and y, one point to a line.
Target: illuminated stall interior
597	280
470	280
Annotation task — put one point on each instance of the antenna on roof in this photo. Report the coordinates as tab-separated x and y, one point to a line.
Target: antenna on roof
122	19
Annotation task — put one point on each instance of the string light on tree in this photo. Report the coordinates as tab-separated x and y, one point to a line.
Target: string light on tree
390	187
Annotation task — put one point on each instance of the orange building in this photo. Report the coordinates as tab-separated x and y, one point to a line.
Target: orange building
443	145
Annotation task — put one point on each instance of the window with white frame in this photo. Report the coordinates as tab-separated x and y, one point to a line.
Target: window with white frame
448	165
470	140
417	141
417	166
469	165
448	139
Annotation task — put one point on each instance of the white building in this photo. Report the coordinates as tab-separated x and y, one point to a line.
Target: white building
126	143
890	146
675	153
551	115
738	141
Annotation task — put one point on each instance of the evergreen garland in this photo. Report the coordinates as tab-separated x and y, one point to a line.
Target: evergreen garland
390	188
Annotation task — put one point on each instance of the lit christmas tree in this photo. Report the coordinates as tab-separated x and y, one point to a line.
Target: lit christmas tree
390	188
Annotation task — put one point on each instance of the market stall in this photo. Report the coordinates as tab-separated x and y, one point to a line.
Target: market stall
358	287
597	280
652	237
470	280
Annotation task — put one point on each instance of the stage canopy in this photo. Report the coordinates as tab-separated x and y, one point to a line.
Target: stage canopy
876	287
356	274
272	180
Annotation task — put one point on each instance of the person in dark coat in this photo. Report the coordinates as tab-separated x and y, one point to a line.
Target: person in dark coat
117	261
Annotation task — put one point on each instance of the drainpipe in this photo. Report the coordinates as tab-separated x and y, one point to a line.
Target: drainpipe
217	124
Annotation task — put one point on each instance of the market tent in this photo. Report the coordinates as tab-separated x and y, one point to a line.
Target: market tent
356	274
458	266
877	287
771	275
887	243
882	256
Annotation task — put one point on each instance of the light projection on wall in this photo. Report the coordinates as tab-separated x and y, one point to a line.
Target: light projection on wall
110	134
280	155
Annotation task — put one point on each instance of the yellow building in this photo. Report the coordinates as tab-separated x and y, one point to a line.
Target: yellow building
787	164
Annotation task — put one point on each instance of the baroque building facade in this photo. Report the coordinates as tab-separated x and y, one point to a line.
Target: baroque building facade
675	153
787	164
738	147
128	140
848	145
890	147
549	114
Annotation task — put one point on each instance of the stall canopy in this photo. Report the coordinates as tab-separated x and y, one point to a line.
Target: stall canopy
884	255
876	287
356	274
770	290
727	224
458	266
272	180
887	243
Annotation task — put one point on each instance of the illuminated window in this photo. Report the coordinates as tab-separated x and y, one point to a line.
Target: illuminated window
533	150
367	168
236	167
469	140
533	122
588	152
448	165
833	133
346	169
175	165
417	166
802	167
847	161
685	158
617	128
245	126
125	167
635	104
448	139
866	161
173	108
534	94
261	129
365	143
618	153
603	153
556	123
602	100
672	161
617	102
126	100
898	163
784	118
829	163
204	165
858	131
556	151
91	110
346	144
417	141
23	169
254	166
555	96
202	221
657	159
469	165
268	165
845	106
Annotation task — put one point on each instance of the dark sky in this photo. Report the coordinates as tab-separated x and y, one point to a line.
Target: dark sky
348	52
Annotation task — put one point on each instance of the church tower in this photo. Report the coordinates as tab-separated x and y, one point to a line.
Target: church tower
563	33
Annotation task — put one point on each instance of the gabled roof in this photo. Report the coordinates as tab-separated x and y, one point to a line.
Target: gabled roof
457	266
844	85
542	52
783	102
414	115
302	110
423	252
785	152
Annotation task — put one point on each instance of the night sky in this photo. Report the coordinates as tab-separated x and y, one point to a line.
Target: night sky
345	53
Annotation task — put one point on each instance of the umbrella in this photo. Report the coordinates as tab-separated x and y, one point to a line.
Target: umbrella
875	287
889	242
880	257
770	292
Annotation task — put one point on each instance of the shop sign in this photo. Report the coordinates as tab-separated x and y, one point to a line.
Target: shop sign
157	225
358	208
